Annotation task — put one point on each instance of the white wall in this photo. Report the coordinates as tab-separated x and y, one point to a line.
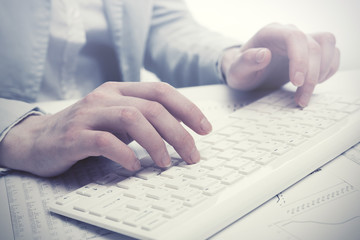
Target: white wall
242	18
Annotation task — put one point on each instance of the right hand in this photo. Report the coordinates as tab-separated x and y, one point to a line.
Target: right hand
102	124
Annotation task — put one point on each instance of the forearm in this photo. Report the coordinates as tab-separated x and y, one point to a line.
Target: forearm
182	52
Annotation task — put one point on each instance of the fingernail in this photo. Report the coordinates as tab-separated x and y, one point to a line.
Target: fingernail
205	125
260	56
195	155
166	160
136	165
299	79
304	100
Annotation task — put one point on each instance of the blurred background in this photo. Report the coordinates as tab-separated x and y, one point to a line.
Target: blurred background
241	19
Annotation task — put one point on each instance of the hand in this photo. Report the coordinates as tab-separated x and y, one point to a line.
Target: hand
102	124
278	53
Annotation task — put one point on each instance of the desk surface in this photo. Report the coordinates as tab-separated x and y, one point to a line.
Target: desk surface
27	196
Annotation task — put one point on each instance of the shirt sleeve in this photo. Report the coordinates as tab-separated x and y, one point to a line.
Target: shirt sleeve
179	50
12	112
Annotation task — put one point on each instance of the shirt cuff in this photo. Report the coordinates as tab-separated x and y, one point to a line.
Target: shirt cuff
220	74
4	171
35	111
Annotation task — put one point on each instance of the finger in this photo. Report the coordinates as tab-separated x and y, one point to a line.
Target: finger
304	92
131	120
246	71
169	128
335	64
99	143
327	42
177	104
297	50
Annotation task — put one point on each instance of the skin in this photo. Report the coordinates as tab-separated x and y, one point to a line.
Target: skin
279	53
114	114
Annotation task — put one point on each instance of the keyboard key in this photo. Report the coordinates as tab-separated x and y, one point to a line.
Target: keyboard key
249	168
220	173
265	159
185	193
166	205
214	138
236	163
212	163
130	182
196	172
230	154
223	145
107	207
245	145
91	189
253	154
177	183
203	182
192	202
158	193
231	179
137	204
117	215
142	217
148	173
153	223
228	131
71	197
213	190
173	172
176	211
111	177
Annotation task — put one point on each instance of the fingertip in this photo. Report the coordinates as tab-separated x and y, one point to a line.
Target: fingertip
166	162
205	126
136	165
195	156
302	99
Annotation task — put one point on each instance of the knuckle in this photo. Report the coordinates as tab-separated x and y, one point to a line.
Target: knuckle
314	47
102	140
272	25
129	115
94	97
108	85
294	34
153	109
329	38
292	26
163	89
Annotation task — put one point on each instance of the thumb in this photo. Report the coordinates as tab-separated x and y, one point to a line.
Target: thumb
247	69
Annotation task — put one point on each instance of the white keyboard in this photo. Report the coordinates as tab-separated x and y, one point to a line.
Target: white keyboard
259	151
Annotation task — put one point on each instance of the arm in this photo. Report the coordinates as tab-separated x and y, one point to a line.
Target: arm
179	50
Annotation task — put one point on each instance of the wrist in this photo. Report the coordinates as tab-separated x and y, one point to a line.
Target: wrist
227	59
17	146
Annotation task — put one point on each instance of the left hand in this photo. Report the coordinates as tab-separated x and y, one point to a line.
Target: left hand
279	53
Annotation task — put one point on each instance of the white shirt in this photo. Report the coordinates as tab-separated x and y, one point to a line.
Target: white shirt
80	55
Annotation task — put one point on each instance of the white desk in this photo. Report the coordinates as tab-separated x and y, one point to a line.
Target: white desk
27	196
